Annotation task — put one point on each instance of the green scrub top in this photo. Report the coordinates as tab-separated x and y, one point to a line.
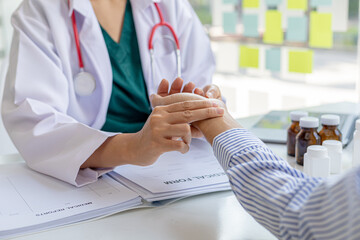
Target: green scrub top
129	106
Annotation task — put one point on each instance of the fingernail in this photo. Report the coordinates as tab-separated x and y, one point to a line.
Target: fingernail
209	95
220	111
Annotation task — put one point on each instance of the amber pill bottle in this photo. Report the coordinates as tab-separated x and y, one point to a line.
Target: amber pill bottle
293	130
330	129
307	136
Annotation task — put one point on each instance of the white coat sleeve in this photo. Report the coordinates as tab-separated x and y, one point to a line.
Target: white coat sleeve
35	104
198	62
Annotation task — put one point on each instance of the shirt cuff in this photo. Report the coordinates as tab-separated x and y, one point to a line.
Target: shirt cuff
233	142
89	175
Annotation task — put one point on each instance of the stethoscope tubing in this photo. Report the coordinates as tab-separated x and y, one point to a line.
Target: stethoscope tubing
77	39
162	23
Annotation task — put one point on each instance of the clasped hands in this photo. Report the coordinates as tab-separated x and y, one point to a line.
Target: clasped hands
190	98
178	116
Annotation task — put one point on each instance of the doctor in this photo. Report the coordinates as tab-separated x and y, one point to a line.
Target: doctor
81	74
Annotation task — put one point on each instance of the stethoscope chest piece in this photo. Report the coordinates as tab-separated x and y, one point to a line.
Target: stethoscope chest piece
84	84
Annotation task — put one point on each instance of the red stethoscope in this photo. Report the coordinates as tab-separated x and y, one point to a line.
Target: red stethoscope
84	82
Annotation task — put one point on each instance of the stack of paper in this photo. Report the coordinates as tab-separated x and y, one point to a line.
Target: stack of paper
31	201
176	175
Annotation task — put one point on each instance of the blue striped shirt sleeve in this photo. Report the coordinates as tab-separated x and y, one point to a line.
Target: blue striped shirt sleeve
284	200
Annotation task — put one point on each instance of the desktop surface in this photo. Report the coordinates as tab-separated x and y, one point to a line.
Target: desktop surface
208	216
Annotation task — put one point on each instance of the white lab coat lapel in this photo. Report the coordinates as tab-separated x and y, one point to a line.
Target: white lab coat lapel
96	58
145	18
143	23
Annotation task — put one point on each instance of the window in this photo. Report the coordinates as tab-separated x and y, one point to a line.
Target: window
256	84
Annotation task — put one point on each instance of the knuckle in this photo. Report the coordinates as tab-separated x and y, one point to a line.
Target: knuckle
158	109
186	105
156	121
207	104
210	111
187	115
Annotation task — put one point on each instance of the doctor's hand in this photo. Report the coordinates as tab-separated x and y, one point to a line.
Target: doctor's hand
209	127
167	129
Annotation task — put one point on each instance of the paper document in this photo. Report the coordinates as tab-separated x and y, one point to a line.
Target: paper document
30	200
176	174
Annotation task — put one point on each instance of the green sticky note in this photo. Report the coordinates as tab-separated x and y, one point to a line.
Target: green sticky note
273	59
297	29
273	3
317	3
250	22
297	4
273	29
229	22
230	1
251	3
301	61
249	57
321	34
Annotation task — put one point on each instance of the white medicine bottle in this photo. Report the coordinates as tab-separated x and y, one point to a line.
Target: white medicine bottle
334	149
356	151
317	162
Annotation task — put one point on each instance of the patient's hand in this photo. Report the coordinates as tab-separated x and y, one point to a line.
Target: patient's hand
210	91
158	100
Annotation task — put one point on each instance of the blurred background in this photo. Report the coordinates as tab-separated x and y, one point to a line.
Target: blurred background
265	86
271	54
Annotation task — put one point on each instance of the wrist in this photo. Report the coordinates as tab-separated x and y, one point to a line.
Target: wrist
215	126
121	149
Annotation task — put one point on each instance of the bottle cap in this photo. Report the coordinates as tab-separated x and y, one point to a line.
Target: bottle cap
317	151
309	122
330	120
333	145
296	115
357	125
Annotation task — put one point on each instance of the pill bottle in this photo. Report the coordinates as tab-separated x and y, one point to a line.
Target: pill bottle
317	162
293	130
330	129
334	149
307	136
356	152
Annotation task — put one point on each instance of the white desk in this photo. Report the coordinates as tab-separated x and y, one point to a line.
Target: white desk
209	216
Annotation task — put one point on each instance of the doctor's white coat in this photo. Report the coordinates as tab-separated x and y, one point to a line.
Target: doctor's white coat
56	130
